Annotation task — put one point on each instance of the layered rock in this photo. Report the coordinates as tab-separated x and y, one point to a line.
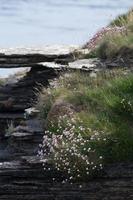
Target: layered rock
44	64
22	57
21	172
22	175
25	179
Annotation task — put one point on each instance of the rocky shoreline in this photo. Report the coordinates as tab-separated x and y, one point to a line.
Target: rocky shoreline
16	95
21	173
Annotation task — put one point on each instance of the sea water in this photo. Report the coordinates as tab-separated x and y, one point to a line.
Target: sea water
42	22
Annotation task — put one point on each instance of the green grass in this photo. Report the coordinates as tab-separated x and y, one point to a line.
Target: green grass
123	19
116	44
105	111
2	81
99	130
111	106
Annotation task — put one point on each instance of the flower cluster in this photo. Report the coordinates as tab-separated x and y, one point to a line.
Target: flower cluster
93	42
69	150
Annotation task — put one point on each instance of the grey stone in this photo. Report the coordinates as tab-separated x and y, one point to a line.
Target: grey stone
20	134
35	125
21	128
23	57
43	50
85	64
32	111
31	159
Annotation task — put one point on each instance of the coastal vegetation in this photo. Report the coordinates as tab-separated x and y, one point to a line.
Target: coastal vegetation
87	116
114	41
93	127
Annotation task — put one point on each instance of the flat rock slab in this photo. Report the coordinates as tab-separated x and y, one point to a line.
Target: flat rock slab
12	57
21	134
87	64
44	50
80	64
31	159
10	165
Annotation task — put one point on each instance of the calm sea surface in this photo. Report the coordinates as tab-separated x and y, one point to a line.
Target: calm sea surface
40	22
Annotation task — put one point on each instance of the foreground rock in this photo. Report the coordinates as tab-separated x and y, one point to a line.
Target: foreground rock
25	179
22	175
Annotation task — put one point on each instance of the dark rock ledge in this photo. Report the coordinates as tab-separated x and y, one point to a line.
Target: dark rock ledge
21	173
25	179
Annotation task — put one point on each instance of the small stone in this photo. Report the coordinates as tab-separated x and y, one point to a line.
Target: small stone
24	129
21	134
31	111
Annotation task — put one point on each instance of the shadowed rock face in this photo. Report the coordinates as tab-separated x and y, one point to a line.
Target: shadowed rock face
16	97
25	179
